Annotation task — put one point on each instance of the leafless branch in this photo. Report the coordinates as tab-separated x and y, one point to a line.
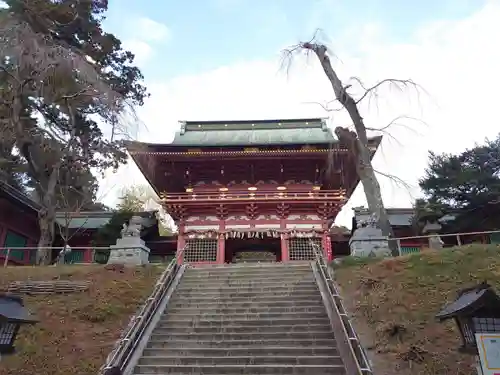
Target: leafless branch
326	107
399	84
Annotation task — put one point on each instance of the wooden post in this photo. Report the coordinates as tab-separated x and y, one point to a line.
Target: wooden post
6	260
398	241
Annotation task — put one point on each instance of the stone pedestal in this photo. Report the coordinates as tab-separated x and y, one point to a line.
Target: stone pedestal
369	242
130	251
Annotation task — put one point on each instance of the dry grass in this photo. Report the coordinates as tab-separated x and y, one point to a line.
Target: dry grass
394	302
76	331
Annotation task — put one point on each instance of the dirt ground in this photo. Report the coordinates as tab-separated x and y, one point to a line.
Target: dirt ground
394	302
76	331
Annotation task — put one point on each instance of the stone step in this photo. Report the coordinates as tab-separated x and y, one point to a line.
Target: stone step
226	288
245	360
307	314
246	272
247	275
248	305
317	307
241	370
253	294
232	301
320	333
267	266
227	323
229	351
248	279
300	342
281	329
243	276
297	263
247	282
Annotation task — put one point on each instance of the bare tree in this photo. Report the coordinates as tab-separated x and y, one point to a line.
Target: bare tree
356	141
71	204
56	81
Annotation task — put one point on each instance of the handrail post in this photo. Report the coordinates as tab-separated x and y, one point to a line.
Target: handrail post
357	350
398	241
125	346
6	260
459	243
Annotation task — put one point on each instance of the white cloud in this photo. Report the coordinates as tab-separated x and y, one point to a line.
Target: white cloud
142	50
152	31
147	34
453	60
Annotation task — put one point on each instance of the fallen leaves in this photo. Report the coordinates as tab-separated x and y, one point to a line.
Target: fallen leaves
76	331
396	300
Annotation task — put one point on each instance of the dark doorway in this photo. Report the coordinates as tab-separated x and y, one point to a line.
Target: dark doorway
252	250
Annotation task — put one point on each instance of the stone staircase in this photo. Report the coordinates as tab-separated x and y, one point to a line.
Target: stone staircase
243	319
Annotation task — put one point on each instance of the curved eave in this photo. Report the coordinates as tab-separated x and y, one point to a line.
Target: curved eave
20	197
141	150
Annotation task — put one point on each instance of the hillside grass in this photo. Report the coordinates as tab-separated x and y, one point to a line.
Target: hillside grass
394	303
76	331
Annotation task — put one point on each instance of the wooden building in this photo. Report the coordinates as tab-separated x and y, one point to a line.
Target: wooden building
18	225
270	186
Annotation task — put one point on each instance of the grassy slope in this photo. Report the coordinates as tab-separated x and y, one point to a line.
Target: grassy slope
394	302
76	331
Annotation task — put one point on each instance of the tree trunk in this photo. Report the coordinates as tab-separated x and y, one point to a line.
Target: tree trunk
46	220
358	145
44	250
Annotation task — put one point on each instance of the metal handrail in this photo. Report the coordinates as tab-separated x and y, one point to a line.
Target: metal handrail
357	350
125	346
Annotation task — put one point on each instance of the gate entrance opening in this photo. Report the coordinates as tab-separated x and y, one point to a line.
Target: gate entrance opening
252	250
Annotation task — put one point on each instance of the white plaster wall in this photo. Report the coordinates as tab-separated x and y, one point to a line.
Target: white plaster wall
304	226
268	226
201	227
237	226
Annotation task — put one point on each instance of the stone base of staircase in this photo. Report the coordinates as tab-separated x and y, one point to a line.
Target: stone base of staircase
244	319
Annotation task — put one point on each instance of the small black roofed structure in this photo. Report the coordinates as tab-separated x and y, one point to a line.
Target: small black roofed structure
13	314
475	310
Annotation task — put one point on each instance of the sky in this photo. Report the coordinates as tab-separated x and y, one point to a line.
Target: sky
222	60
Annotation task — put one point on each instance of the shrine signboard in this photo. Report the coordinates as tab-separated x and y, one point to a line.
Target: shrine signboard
488	345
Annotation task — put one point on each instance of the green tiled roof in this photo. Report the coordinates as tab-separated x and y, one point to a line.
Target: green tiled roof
253	133
83	222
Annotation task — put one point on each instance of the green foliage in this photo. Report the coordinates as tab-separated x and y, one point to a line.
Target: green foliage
467	185
59	64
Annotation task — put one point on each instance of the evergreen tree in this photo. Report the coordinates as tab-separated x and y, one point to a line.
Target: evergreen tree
466	185
59	64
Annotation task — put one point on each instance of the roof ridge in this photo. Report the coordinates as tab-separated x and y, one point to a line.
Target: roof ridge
19	196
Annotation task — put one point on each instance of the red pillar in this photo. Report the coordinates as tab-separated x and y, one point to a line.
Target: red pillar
285	256
221	249
181	242
327	247
27	252
3	234
87	255
221	245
